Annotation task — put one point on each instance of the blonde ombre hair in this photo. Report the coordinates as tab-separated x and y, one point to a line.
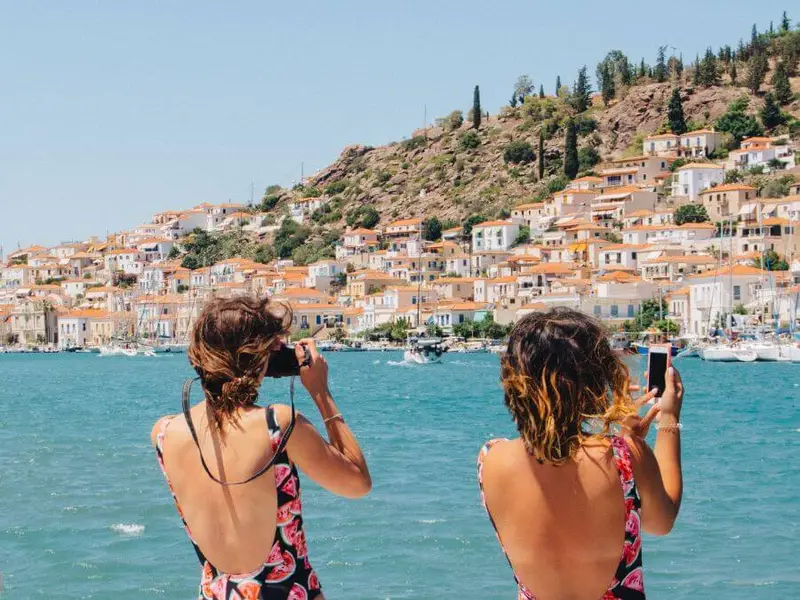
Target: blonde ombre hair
560	375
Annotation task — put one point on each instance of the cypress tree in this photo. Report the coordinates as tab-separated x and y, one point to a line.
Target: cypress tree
571	163
734	73
607	83
660	70
558	84
642	70
513	102
541	90
582	91
709	74
675	116
541	154
781	86
754	35
697	74
757	68
771	113
679	67
785	23
627	72
476	108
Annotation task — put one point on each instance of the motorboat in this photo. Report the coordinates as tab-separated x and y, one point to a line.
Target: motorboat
424	351
745	354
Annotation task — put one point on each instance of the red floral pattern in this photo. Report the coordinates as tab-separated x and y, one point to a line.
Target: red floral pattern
283	576
628	582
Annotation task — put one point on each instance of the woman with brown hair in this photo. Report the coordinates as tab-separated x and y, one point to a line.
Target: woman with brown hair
568	499
232	465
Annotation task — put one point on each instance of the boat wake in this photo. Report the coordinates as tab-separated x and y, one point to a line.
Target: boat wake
127	528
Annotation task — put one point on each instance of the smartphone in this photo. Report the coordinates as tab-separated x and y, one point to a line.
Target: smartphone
658	361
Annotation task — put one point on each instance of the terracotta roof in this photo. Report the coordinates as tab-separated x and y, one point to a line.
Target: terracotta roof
662	136
527	206
697	165
737	270
729	187
405	222
493	224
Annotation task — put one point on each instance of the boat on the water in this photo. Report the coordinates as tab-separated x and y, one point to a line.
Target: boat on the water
423	351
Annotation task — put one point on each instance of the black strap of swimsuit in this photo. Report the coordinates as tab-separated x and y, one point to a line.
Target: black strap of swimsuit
187	387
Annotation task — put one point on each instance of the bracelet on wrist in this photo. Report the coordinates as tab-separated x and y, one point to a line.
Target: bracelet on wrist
670	427
332	417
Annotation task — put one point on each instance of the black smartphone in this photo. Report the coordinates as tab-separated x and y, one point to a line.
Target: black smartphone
658	356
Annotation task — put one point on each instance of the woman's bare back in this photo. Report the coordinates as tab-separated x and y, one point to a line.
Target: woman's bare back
234	526
562	527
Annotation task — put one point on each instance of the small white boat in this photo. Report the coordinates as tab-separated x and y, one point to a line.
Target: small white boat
718	353
790	353
745	354
766	351
424	351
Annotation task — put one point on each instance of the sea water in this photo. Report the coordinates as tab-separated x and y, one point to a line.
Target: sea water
85	512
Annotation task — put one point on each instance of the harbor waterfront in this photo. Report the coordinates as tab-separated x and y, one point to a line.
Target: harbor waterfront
85	512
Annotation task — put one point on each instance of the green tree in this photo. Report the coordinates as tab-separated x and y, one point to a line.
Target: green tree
582	91
660	70
605	79
675	117
523	88
513	102
781	86
174	253
524	236
642	72
691	213
771	261
518	152
709	72
667	326
733	73
558	85
541	90
190	262
698	72
470	222
771	113
477	113
757	68
785	23
432	229
541	154
737	122
571	162
291	235
588	157
264	254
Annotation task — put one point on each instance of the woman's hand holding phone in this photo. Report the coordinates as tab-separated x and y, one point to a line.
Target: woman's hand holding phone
672	399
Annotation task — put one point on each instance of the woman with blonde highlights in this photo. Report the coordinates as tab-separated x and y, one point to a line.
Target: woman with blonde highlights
232	465
553	495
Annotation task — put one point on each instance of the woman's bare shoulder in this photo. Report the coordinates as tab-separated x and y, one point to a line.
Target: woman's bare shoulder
158	426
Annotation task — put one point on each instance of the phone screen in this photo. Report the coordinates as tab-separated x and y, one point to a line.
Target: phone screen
657	372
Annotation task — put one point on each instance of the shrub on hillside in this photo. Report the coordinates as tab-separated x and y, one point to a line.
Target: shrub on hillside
469	140
518	152
414	143
337	187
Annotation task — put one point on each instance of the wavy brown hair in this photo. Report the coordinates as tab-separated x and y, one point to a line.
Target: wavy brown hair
230	348
559	374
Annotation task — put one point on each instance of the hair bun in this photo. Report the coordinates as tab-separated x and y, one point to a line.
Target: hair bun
239	391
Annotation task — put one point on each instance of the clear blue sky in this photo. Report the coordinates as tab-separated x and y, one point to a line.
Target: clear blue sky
112	111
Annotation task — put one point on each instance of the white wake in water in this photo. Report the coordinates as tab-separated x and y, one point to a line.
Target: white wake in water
128	528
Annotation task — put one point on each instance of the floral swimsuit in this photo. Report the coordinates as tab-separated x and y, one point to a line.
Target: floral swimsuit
286	573
628	582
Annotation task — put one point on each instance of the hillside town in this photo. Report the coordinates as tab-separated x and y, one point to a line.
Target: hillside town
606	244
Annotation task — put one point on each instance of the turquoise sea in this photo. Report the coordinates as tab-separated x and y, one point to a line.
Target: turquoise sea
85	513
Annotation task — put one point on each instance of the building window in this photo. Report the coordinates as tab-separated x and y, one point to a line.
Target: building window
597	311
633	255
737	292
614	310
631	309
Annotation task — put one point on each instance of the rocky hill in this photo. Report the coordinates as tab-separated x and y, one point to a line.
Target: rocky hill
453	171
